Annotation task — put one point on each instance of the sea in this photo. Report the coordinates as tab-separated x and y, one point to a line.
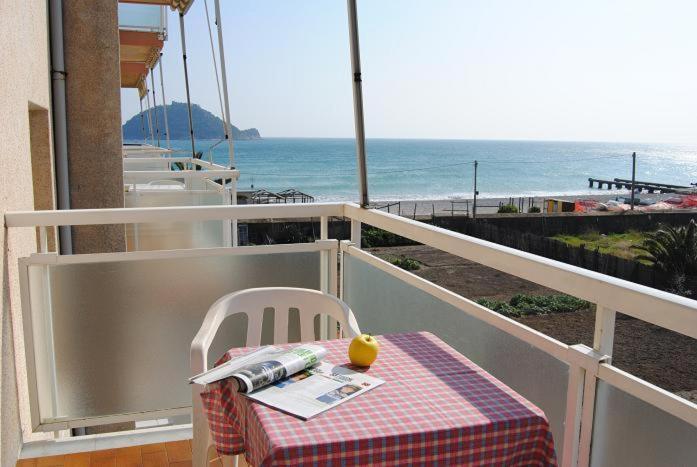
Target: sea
414	169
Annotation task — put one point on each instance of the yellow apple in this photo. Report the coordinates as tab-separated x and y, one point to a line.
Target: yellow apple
363	350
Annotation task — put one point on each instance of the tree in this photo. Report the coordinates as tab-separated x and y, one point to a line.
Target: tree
673	251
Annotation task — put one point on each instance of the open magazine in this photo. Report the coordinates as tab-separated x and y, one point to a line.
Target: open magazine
295	380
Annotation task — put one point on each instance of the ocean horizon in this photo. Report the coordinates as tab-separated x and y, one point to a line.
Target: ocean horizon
441	169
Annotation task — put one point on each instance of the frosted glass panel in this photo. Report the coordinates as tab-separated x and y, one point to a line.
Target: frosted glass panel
141	17
122	330
385	304
174	235
628	431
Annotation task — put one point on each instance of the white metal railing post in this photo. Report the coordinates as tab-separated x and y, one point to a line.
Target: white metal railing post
323	275
572	417
584	363
603	339
356	232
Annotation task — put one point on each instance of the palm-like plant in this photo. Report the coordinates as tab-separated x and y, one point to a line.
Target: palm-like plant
672	250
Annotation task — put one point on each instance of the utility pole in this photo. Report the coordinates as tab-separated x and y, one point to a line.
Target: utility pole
474	205
633	179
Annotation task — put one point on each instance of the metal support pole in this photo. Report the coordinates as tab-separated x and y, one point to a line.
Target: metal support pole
226	116
142	120
164	103
186	83
358	103
223	77
474	203
154	105
215	69
60	127
633	178
147	102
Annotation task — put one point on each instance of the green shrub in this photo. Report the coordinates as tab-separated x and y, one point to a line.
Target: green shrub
534	210
373	237
524	305
408	264
507	209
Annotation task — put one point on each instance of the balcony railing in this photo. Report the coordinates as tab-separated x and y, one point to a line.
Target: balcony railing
152	182
148	18
107	334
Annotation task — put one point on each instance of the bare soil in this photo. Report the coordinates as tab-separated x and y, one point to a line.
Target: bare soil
664	358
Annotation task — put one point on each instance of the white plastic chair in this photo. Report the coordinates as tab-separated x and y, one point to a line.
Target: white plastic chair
253	302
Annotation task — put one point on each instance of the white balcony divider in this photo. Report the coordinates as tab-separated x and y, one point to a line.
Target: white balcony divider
109	334
585	395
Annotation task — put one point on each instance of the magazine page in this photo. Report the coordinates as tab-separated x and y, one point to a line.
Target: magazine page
315	390
264	366
227	369
276	367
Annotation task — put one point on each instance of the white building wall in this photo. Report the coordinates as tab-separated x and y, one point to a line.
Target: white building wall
24	85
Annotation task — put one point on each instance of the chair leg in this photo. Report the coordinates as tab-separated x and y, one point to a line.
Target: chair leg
230	461
201	441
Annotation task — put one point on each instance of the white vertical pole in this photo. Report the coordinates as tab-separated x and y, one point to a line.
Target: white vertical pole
358	103
164	103
604	335
323	273
356	233
226	116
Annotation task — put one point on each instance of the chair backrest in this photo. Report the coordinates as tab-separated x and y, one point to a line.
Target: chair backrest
253	302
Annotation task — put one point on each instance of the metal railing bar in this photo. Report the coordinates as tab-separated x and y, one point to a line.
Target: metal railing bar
170	214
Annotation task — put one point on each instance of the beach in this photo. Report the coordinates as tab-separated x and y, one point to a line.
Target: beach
460	206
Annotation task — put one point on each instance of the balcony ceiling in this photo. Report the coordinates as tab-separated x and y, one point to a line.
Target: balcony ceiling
182	6
139	52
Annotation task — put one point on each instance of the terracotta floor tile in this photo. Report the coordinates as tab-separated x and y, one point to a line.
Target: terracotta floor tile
26	463
129	457
81	459
51	461
157	447
178	451
180	464
105	454
155	459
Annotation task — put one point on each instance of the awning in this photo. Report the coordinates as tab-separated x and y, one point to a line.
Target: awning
139	53
182	6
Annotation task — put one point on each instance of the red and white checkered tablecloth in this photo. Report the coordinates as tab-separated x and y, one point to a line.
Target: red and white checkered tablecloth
436	407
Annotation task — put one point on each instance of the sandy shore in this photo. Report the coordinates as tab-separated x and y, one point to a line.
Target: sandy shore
461	206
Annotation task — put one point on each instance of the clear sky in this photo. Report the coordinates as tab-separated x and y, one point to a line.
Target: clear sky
597	70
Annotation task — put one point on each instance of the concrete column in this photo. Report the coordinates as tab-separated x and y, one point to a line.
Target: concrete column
94	118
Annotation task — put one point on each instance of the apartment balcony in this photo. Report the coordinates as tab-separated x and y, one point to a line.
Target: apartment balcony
107	335
156	177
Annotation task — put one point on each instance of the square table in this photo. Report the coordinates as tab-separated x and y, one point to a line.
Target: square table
435	407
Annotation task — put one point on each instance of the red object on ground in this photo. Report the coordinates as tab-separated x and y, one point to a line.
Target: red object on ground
689	201
585	205
435	406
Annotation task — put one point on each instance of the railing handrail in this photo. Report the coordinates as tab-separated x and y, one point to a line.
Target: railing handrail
139	175
170	214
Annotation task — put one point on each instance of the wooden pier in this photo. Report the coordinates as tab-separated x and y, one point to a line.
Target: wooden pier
639	186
